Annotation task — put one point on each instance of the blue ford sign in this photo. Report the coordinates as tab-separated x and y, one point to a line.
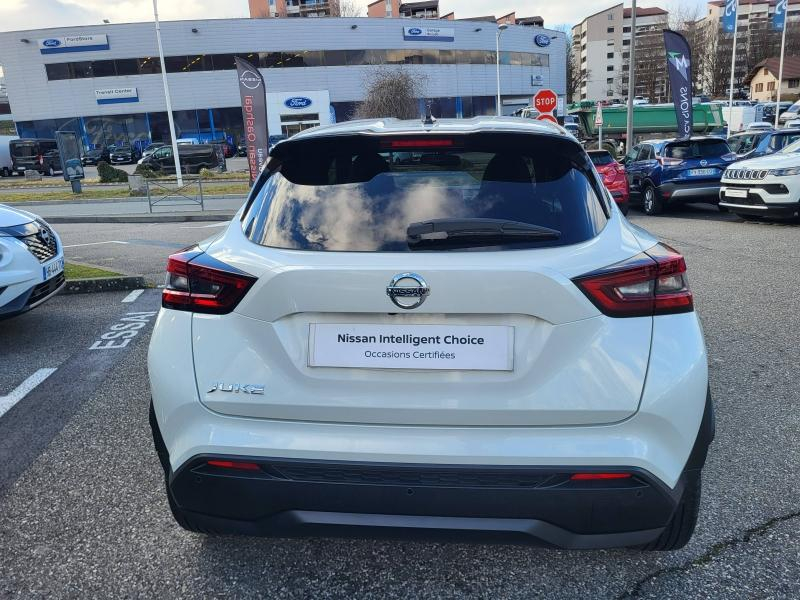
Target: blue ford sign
51	43
542	40
297	102
429	34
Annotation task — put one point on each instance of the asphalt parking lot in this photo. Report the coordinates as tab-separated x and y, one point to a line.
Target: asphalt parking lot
83	511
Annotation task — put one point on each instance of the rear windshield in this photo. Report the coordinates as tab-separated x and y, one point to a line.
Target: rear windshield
23	149
361	193
601	158
696	149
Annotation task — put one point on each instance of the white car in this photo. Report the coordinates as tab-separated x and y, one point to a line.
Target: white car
469	341
764	186
31	261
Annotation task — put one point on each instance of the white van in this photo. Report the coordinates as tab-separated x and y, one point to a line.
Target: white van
5	155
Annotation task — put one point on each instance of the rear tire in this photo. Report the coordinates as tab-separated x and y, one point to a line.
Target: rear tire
681	526
181	517
651	203
51	172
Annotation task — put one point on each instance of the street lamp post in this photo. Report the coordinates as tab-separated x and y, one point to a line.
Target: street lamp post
166	97
500	29
631	82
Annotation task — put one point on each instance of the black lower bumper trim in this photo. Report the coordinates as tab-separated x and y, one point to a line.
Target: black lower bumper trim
535	505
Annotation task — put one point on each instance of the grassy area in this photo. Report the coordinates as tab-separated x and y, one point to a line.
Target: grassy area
11	196
57	181
76	271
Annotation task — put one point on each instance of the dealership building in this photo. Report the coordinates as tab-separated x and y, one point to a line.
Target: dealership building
104	81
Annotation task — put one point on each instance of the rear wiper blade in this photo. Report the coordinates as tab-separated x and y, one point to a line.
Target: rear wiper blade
477	231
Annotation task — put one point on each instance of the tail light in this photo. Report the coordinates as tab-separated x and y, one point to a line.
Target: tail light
651	283
40	159
197	282
669	162
598	476
234	464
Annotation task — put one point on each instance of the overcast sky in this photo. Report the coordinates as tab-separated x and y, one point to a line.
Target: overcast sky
33	14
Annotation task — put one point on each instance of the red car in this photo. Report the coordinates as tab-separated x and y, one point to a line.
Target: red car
613	175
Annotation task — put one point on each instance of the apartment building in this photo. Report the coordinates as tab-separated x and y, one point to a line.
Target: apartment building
601	53
265	9
755	41
429	9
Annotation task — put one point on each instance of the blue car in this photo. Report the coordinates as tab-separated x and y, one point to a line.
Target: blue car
663	173
752	144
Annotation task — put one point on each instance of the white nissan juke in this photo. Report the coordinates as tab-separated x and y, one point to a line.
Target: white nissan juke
442	328
31	261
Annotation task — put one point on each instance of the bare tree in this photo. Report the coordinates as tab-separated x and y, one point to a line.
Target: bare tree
345	8
573	65
391	92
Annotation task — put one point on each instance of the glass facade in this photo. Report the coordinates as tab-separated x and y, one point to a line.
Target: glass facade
140	129
289	59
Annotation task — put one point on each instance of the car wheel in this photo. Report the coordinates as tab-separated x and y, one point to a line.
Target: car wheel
681	526
181	517
651	203
51	171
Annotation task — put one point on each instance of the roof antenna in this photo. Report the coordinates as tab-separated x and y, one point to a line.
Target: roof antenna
429	118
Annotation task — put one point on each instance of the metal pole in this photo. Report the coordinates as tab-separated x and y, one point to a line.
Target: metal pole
167	98
631	81
600	138
780	69
497	66
733	68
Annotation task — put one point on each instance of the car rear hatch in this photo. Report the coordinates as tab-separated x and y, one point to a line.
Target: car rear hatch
337	326
695	160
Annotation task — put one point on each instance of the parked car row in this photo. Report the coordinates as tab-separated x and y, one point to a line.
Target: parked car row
753	174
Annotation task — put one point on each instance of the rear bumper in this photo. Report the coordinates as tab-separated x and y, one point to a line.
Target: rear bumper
700	191
537	505
774	210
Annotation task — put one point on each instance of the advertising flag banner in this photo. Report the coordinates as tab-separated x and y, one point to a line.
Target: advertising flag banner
679	65
779	18
254	114
729	16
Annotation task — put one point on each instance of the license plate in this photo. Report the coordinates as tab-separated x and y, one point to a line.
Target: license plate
426	347
702	172
53	268
736	193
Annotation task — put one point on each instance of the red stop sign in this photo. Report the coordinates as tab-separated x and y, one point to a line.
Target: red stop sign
547	117
545	101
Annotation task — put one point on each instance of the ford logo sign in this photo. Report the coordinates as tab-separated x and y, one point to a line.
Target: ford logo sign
542	40
51	43
297	102
415	31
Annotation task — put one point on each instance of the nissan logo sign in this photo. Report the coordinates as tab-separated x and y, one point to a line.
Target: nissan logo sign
407	290
415	31
250	80
542	40
297	102
51	43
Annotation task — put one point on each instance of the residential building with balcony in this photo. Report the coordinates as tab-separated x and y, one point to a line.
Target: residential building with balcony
601	53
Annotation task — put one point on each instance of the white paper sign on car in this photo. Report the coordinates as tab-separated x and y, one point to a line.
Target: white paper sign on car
452	347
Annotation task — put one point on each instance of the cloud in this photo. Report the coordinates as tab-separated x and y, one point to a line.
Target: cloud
35	14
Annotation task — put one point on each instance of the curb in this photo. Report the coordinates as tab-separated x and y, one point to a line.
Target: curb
113	200
104	284
148	218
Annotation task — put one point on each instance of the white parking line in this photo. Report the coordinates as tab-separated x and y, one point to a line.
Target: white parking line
132	296
95	244
22	390
220	224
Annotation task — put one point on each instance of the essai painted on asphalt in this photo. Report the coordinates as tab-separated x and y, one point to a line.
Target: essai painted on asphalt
121	333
